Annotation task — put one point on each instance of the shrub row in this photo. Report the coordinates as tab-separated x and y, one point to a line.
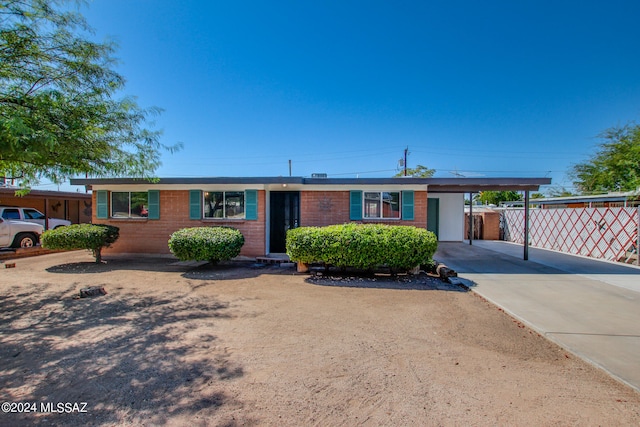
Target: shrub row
206	243
81	236
362	246
188	244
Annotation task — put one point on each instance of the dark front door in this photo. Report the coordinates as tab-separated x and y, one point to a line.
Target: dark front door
285	214
433	216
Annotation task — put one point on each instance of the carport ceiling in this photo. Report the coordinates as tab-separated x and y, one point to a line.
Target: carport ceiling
475	185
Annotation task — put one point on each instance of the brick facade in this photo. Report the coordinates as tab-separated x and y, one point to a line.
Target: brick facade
151	236
320	208
317	208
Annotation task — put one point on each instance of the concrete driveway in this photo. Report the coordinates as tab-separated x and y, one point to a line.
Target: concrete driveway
589	307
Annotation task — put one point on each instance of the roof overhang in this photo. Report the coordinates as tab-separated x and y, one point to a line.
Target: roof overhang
435	185
47	194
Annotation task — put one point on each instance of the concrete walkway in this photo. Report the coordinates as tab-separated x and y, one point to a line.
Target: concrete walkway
589	307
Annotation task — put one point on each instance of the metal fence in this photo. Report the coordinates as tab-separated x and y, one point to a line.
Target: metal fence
607	233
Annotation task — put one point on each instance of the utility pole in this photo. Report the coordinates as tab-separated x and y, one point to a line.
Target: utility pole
406	151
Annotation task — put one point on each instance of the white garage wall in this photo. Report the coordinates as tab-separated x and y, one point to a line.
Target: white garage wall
451	216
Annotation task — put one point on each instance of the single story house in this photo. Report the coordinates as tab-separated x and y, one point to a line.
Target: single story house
264	208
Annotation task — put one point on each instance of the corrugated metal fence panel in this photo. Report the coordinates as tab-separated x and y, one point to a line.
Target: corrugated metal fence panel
606	233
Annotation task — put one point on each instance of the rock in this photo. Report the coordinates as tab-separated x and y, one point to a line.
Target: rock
92	291
445	272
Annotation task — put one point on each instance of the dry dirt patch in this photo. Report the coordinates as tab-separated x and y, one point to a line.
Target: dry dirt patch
173	344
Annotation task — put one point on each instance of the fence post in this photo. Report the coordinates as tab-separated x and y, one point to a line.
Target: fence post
638	239
526	225
471	219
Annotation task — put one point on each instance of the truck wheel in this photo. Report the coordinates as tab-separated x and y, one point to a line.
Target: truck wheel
25	240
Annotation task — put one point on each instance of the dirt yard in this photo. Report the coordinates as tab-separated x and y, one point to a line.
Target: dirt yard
173	344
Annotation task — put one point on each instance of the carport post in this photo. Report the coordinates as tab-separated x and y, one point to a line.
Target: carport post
526	225
46	214
470	218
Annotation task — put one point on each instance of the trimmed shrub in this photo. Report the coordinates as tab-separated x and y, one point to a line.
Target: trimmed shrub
93	237
206	243
362	246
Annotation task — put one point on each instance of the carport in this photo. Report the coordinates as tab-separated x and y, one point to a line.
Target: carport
72	206
472	186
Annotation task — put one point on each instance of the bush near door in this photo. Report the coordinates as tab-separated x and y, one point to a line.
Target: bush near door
362	246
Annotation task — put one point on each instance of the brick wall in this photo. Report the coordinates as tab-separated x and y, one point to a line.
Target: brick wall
320	208
151	236
317	208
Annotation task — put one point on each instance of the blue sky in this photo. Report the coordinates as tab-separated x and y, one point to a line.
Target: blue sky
481	89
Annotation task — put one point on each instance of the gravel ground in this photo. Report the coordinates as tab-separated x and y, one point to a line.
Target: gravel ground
243	344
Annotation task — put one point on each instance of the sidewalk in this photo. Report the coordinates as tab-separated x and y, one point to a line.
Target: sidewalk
589	307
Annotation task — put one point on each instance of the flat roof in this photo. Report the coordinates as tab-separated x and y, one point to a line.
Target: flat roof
47	194
435	185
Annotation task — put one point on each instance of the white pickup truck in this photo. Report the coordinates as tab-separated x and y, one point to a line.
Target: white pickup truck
30	215
19	234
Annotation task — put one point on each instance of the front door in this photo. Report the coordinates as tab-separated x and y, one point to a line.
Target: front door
433	216
284	209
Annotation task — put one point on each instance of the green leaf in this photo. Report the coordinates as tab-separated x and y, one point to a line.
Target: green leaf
362	246
59	114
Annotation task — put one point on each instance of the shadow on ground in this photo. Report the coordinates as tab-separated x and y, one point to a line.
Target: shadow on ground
234	270
131	358
142	263
228	270
421	282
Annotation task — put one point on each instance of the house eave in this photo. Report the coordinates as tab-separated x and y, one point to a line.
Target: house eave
436	185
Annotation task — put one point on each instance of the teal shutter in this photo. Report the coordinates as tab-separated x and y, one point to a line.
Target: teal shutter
251	204
195	204
407	205
102	208
355	205
154	204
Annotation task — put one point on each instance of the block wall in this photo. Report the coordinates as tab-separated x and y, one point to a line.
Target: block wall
491	226
486	225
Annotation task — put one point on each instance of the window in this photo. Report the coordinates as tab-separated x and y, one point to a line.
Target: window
383	204
125	204
11	214
33	214
224	204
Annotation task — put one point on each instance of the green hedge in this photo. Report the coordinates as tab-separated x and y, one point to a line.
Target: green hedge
93	237
206	243
362	246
